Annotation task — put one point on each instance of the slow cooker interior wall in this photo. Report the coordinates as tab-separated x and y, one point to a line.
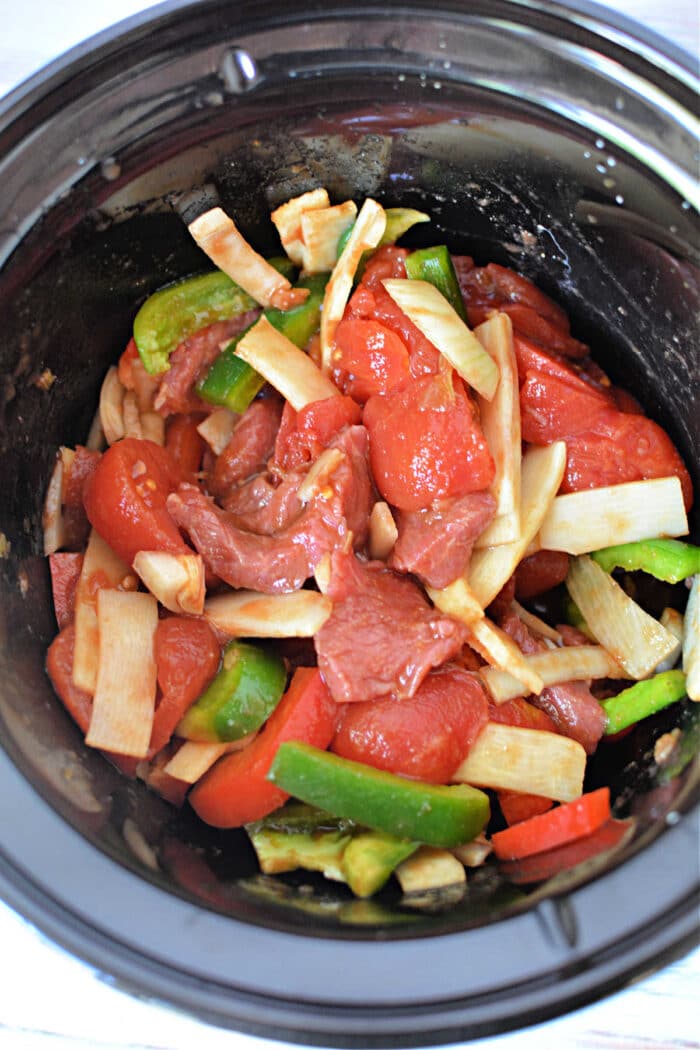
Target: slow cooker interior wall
74	316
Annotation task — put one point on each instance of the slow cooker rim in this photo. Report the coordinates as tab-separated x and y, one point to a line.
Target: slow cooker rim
618	29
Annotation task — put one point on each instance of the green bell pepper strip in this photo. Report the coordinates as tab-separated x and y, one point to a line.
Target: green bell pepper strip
667	560
233	383
370	858
435	266
408	809
296	816
185	306
643	699
176	311
279	851
243	695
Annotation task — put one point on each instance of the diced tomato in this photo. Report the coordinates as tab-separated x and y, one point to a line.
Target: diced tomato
78	704
187	658
237	790
304	434
59	666
426	442
65	571
583	375
125	499
387	261
567	822
622	447
371	302
372	357
517	806
528	323
521	713
540	866
184	442
540	572
83	466
425	737
499	285
126	362
552	408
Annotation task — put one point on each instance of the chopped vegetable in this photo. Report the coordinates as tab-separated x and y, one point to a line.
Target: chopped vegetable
320	230
316	481
283	365
176	580
247	614
563	824
217	429
217	235
585	521
287	219
600	844
191	761
691	642
370	858
529	760
643	699
499	649
500	421
279	851
365	234
669	560
101	568
125	690
434	814
176	311
243	695
236	791
231	382
672	620
541	474
574	663
382	531
112	407
52	518
435	266
430	312
430	869
634	638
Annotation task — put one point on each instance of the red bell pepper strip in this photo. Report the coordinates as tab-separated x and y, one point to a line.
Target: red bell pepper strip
236	791
187	658
564	824
611	835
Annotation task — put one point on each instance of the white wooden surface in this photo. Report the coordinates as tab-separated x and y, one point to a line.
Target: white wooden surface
50	1001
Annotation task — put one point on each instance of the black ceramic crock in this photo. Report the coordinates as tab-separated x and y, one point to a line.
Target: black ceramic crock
556	140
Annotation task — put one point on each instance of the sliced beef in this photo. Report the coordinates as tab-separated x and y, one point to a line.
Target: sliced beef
265	504
270	564
281	560
382	637
249	447
269	503
575	711
189	360
571	706
436	543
